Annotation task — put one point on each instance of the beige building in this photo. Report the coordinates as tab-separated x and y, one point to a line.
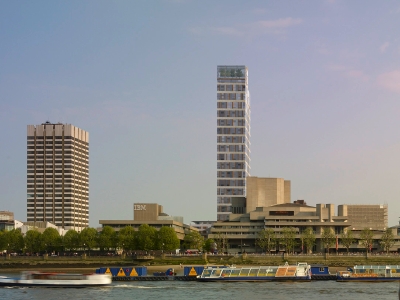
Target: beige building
363	216
241	232
153	215
58	175
268	206
263	192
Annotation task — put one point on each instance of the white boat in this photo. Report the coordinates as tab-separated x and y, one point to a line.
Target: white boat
42	279
299	272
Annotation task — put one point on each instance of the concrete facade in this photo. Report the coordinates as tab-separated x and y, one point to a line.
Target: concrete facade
241	231
58	175
264	192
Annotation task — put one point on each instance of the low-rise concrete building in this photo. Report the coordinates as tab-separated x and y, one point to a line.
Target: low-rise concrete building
241	231
153	215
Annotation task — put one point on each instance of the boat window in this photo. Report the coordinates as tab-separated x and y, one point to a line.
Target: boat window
216	272
226	273
253	271
244	272
235	272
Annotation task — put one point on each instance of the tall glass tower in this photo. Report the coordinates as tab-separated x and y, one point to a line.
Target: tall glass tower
233	140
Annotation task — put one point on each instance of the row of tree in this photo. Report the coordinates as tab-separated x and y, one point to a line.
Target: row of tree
268	240
126	239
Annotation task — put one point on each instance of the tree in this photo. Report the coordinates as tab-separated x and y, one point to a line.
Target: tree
266	239
387	239
146	237
105	238
14	240
88	238
366	236
71	240
221	242
288	238
51	239
126	238
194	240
209	245
167	239
347	239
327	238
33	241
308	239
3	242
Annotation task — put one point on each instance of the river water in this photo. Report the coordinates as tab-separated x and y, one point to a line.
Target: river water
161	290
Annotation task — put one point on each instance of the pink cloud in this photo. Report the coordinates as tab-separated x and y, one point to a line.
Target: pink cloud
390	81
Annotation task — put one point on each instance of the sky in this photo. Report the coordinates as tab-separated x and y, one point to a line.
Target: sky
140	77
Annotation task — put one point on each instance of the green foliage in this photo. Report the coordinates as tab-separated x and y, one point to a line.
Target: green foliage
288	238
366	236
194	240
126	238
106	237
209	245
3	242
308	238
14	240
88	238
266	239
347	239
71	240
51	239
167	239
328	239
33	241
387	239
146	237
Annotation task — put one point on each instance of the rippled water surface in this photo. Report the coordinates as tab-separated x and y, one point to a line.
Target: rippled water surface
218	290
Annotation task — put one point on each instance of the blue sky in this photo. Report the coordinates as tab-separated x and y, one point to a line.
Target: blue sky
140	77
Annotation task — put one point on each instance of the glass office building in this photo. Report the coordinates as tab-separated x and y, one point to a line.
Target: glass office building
233	140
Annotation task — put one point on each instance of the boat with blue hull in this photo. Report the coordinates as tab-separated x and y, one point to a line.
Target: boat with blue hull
300	272
370	273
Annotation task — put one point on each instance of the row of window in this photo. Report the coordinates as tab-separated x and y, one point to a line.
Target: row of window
231	122
231	139
231	174
231	87
231	96
66	138
231	156
230	165
231	113
224	182
230	148
231	130
229	191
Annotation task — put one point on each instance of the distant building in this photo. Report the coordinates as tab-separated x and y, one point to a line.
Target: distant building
153	215
58	175
41	227
202	226
7	222
233	140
